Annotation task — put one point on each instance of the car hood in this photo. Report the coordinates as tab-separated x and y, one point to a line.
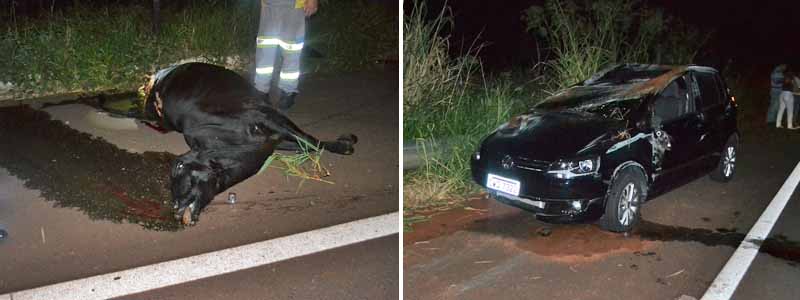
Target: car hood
548	136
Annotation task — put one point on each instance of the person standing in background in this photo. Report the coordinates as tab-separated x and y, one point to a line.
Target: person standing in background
787	102
795	92
776	87
281	31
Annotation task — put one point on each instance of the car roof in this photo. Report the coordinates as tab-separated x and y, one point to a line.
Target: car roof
620	83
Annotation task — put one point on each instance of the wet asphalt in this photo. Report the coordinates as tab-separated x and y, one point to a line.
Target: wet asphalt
78	200
492	250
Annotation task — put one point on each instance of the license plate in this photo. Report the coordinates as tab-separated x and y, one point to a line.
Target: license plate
505	185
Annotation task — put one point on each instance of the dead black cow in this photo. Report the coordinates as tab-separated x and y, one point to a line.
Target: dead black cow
229	126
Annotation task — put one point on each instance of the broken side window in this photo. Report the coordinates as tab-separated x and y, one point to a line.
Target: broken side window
672	102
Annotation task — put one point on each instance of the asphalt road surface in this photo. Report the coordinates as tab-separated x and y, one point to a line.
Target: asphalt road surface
368	270
49	244
489	250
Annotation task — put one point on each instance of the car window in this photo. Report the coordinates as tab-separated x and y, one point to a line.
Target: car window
673	102
709	90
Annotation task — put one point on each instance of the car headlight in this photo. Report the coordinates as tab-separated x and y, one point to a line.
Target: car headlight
574	167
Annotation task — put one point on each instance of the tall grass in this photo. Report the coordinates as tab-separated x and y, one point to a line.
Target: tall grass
586	36
86	49
447	100
431	76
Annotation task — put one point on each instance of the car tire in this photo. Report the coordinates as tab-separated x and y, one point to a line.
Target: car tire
726	167
624	200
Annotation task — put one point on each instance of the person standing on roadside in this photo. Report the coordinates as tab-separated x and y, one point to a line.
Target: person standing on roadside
776	83
281	31
787	102
796	91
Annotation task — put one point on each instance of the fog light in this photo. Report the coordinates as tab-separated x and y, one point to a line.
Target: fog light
577	205
478	155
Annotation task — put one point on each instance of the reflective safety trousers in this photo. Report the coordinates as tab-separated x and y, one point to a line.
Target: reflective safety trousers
281	31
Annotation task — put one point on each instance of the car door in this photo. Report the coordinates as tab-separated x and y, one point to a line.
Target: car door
675	117
711	114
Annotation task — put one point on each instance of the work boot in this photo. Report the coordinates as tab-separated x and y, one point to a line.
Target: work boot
286	101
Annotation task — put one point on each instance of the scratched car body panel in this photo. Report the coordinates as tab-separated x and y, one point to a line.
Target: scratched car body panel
664	125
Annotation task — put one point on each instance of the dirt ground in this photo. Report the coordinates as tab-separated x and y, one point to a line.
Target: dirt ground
79	200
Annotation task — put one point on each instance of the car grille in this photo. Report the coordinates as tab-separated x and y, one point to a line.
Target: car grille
531	164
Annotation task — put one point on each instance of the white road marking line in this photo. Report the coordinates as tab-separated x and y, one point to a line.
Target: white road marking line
186	269
732	273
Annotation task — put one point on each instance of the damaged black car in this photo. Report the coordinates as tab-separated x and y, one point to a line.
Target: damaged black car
601	148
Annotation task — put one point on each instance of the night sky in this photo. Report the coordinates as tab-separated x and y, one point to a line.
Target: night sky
754	34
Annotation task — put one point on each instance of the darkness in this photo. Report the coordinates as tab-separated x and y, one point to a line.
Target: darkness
752	34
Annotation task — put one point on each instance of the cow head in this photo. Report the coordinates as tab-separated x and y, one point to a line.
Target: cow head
193	185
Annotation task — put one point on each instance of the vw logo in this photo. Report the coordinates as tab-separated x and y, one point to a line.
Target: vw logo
507	162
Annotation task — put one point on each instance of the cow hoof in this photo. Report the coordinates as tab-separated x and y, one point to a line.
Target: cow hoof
351	139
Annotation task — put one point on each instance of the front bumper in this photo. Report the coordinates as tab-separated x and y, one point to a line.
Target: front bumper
571	200
556	209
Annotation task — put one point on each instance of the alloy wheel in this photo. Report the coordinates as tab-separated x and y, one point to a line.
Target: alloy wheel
729	161
628	204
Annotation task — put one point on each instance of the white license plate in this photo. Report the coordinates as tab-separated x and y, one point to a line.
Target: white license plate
505	185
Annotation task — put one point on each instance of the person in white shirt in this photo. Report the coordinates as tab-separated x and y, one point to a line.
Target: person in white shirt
790	84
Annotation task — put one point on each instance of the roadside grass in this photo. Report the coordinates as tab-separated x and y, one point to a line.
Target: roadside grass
89	49
448	101
305	164
586	36
112	48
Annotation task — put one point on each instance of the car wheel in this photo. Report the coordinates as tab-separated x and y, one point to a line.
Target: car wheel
624	200
726	166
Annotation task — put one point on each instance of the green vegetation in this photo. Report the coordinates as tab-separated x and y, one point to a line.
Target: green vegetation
86	49
586	36
305	164
443	101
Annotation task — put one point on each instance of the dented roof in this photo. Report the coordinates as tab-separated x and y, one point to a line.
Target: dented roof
618	83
